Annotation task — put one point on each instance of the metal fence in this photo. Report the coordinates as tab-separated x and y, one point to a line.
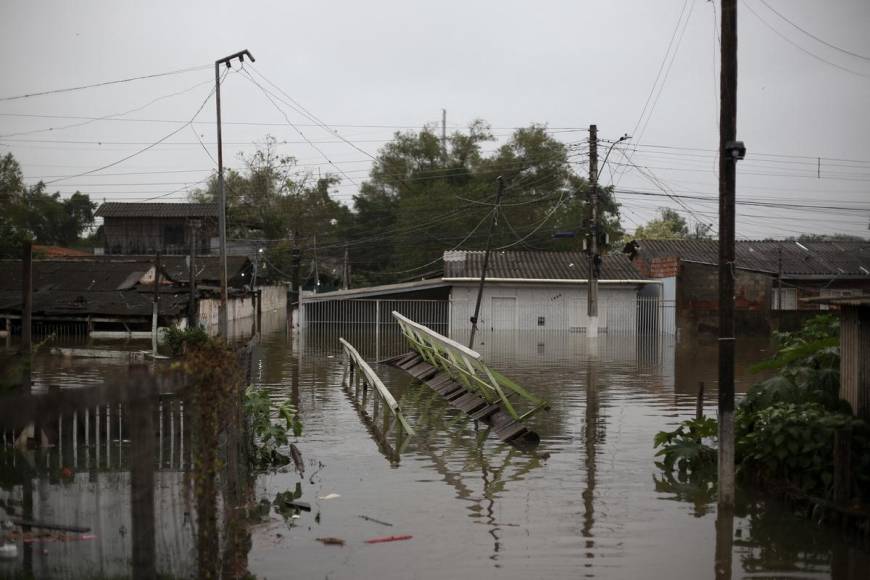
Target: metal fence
643	316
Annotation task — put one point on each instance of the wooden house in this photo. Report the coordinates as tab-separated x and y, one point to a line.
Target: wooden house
148	228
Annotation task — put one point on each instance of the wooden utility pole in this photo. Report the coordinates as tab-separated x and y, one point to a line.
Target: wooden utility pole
222	198
316	267
592	293
492	225
727	177
154	306
191	307
26	311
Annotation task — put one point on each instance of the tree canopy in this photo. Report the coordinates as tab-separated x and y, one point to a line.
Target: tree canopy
30	213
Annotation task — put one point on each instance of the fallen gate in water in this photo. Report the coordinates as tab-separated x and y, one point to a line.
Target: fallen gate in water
458	374
359	380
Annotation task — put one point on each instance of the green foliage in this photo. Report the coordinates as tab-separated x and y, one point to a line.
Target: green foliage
669	225
686	448
271	435
30	213
793	443
785	426
178	340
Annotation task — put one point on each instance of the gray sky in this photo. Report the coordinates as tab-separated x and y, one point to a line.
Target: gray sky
368	68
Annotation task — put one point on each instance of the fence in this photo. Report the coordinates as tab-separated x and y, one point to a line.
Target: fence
638	316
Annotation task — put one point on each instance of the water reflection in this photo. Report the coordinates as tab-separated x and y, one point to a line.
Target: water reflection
586	501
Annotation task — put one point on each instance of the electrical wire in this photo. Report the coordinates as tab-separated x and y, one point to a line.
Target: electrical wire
801	48
103	84
813	36
144	149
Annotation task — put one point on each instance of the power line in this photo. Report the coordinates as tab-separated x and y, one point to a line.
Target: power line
813	36
105	117
104	83
144	149
801	48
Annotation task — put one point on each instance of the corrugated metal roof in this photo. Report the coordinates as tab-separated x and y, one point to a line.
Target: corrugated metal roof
119	303
159	210
78	275
538	265
799	259
207	267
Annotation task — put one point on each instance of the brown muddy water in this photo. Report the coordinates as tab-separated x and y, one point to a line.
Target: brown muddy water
589	502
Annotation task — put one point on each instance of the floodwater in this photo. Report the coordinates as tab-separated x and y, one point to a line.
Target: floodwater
588	502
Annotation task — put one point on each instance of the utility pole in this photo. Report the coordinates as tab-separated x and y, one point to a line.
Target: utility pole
222	199
729	152
444	134
346	270
191	277
316	269
594	258
27	312
492	225
154	305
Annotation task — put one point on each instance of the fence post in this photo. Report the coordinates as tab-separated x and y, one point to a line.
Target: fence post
300	310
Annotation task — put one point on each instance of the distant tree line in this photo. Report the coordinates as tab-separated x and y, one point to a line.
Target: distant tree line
422	197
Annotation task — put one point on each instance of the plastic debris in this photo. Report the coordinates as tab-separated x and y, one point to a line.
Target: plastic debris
8	551
330	496
383	539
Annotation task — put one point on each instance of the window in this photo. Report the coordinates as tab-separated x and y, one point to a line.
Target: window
541	321
784	299
173	235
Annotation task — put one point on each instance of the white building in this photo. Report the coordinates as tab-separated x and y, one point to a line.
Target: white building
537	290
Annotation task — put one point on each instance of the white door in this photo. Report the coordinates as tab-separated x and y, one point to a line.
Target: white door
504	313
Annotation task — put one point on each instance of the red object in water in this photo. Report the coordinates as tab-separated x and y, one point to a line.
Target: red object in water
383	539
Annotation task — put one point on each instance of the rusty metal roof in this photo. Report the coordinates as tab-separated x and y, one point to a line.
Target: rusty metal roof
114	209
536	265
820	259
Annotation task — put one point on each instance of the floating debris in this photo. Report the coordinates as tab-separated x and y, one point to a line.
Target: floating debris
369	519
330	496
384	539
330	541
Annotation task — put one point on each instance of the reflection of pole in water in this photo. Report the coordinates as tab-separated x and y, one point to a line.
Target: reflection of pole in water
141	417
590	434
724	541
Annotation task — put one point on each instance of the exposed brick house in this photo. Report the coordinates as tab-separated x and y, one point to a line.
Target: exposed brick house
772	279
148	228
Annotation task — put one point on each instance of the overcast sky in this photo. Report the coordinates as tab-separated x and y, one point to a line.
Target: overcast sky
370	68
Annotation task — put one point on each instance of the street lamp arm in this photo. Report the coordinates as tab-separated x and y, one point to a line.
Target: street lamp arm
625	137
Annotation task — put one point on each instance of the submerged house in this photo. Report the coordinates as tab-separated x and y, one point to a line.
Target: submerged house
773	279
113	296
524	290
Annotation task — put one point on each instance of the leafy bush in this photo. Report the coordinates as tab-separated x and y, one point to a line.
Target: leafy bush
271	437
178	340
686	448
793	443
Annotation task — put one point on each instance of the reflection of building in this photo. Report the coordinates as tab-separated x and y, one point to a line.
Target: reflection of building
148	228
771	279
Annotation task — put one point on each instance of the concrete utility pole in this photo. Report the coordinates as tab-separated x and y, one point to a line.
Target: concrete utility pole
492	225
222	199
729	151
27	310
444	134
594	258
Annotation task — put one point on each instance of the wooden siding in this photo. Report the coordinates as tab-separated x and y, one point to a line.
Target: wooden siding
855	358
145	236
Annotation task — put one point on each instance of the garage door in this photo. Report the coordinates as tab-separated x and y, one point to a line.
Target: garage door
504	313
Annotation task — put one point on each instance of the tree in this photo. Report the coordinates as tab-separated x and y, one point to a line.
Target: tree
271	200
420	200
668	226
28	212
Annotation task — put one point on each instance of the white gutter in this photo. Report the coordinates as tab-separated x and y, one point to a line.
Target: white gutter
550	280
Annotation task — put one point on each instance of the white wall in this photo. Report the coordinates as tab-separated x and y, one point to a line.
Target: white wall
562	307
